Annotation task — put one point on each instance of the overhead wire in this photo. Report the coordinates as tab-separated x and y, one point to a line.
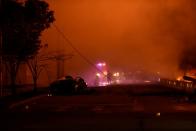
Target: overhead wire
75	49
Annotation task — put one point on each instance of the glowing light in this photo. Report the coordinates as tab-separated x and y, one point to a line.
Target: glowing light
117	81
101	64
147	81
116	74
179	78
26	107
158	114
49	94
105	72
98	75
103	83
101	79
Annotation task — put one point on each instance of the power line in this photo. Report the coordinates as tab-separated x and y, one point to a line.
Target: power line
76	50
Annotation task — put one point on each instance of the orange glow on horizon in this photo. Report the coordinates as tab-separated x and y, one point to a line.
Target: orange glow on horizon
130	35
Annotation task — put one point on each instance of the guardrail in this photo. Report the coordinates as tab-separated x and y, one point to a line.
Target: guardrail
184	86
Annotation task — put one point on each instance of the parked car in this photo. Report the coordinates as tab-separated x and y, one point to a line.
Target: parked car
80	85
67	86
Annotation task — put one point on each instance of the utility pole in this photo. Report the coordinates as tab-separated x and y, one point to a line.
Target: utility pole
60	59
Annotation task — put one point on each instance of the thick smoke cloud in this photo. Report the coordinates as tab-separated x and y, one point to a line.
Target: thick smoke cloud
152	35
183	23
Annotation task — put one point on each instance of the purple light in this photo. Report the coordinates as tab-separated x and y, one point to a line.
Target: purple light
101	64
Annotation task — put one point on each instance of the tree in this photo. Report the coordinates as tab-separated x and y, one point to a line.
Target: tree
13	43
38	17
39	62
22	25
36	64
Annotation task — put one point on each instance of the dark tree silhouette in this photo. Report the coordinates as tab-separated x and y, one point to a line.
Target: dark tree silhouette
38	17
22	24
36	65
13	44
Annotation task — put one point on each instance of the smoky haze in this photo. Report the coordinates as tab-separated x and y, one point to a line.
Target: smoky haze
127	34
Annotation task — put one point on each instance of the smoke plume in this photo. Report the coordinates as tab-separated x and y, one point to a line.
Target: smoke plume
152	35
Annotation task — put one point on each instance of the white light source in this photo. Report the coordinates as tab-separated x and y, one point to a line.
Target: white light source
158	114
105	72
101	64
98	75
116	74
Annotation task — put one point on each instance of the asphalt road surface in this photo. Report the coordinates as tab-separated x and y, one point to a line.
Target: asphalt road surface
122	107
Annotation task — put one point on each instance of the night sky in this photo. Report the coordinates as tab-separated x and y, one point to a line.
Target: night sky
127	34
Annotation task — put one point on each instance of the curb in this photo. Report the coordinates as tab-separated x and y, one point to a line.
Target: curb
11	106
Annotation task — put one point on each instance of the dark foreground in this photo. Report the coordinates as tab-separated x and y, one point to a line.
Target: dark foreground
128	107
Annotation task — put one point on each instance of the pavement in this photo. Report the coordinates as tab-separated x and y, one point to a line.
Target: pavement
7	102
122	107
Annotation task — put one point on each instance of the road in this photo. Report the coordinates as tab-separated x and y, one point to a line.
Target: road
123	107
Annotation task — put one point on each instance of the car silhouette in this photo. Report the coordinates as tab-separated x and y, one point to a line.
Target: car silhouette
67	86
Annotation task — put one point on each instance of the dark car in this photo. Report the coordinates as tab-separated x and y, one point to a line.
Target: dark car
67	86
80	85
